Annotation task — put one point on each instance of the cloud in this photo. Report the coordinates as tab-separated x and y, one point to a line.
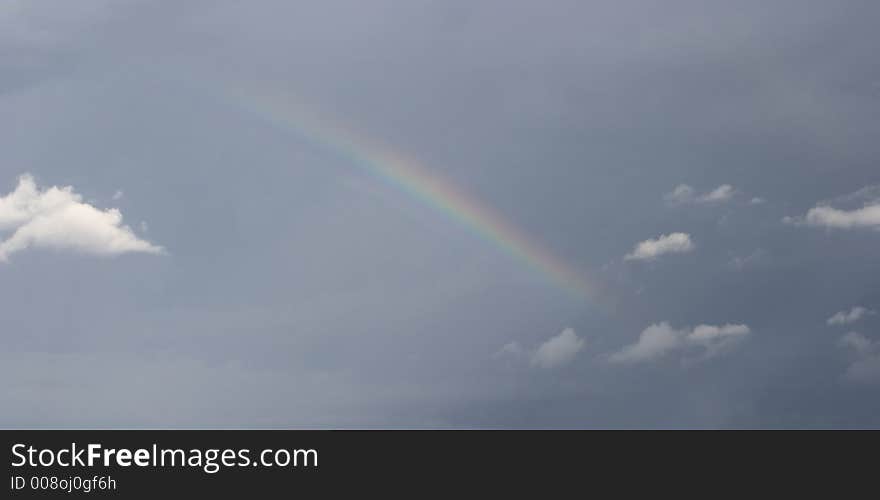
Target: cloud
684	193
661	339
857	342
57	218
825	216
860	209
556	351
851	316
741	263
655	341
118	195
715	339
651	249
720	194
681	194
865	367
757	201
559	350
510	350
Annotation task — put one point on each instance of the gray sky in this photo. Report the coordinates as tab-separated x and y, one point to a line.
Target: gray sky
712	166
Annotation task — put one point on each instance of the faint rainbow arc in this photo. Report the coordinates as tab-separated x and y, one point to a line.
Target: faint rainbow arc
420	183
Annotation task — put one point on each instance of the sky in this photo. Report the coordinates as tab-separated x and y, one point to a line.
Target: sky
439	214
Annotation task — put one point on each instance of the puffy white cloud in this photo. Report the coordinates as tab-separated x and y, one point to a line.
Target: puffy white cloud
655	341
710	333
860	209
715	339
661	339
664	244
558	350
851	316
57	218
826	216
865	366
684	193
720	194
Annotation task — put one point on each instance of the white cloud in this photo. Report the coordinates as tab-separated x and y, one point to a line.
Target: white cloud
716	339
865	367
720	194
851	316
661	339
655	341
651	249
57	218
558	350
860	209
757	201
710	333
826	216
684	193
118	195
681	194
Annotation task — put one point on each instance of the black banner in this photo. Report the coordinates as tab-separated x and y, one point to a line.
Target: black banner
151	464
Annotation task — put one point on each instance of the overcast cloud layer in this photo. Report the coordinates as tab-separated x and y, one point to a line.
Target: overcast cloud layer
173	258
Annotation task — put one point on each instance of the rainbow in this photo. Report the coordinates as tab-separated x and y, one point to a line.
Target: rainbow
416	180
